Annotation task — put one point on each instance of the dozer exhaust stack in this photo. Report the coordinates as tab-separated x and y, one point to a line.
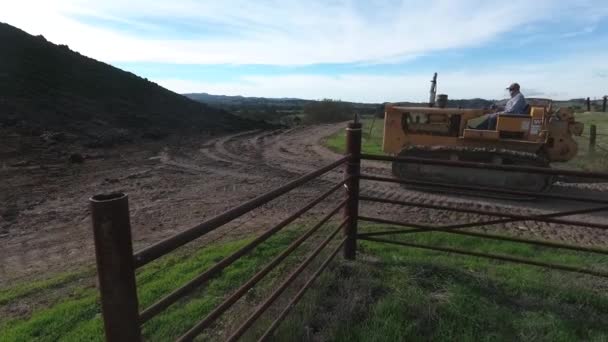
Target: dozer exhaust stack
433	91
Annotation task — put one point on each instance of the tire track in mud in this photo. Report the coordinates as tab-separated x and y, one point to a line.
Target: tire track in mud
299	151
174	185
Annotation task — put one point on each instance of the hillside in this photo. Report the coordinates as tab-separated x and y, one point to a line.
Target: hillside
47	87
227	100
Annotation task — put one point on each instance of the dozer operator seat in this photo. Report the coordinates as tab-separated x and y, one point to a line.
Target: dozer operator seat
508	126
525	126
514	122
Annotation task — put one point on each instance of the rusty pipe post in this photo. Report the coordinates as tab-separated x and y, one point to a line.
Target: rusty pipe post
604	103
115	270
588	104
353	168
592	138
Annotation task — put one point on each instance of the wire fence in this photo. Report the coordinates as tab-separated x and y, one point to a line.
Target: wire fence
592	139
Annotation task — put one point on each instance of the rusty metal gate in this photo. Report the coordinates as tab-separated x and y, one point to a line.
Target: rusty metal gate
116	262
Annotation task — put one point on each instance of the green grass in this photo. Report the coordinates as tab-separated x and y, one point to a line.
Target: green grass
13	293
389	293
76	316
394	293
585	160
371	139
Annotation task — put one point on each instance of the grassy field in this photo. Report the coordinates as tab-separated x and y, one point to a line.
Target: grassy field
585	160
73	314
598	161
371	137
389	293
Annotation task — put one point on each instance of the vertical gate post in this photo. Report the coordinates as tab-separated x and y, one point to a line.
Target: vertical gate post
592	138
604	103
353	167
114	254
588	104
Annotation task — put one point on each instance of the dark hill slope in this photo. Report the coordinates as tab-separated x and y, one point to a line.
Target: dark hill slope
44	86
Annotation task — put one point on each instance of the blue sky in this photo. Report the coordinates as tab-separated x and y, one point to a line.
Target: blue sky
369	51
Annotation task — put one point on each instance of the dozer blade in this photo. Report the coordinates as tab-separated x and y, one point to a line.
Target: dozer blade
509	180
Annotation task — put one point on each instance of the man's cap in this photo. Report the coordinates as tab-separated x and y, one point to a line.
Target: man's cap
513	86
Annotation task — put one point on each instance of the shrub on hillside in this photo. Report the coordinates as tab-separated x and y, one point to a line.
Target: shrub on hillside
328	110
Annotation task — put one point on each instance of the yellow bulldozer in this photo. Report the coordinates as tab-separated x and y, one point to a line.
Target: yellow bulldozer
536	138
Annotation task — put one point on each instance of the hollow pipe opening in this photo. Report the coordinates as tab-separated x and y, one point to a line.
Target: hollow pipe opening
115	196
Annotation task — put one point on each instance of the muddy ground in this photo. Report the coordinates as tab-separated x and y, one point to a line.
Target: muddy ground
179	182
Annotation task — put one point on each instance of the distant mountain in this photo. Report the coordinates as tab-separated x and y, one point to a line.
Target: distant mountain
244	101
239	104
236	101
274	110
44	86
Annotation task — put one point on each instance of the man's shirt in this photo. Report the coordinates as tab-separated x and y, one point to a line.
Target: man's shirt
516	105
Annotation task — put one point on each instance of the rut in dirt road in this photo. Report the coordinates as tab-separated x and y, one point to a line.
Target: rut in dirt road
178	183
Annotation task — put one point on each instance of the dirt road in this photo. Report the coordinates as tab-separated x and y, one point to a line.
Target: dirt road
179	182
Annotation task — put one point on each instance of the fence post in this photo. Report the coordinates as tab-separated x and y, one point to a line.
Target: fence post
114	254
353	167
588	104
604	103
592	135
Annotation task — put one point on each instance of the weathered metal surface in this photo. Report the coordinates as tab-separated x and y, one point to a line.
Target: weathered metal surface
300	293
493	256
423	228
445	187
193	284
241	291
353	168
262	307
115	270
474	165
165	246
486	212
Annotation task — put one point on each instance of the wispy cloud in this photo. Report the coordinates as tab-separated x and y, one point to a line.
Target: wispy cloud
276	32
563	79
359	50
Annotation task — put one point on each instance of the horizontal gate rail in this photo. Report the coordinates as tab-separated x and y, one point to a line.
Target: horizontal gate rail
485	166
567	268
484	189
431	228
163	247
193	284
117	262
266	304
424	228
485	212
240	292
300	293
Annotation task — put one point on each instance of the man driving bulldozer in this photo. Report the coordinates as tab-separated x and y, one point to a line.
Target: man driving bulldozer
516	105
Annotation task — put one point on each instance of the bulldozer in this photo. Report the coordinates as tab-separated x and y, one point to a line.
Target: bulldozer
537	138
